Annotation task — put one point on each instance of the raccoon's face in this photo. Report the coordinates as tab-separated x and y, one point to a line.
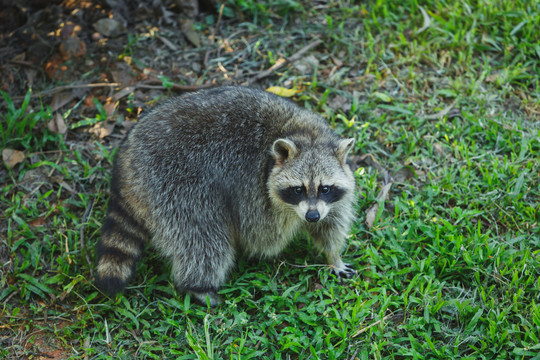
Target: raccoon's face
310	180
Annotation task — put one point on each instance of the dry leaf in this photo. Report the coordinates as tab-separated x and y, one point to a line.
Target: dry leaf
12	157
427	20
40	221
337	62
124	92
52	66
19	57
371	161
403	174
189	32
372	211
281	91
72	47
102	130
109	27
123	74
439	149
383	97
61	99
493	77
189	7
168	43
30	76
306	65
57	124
110	108
339	102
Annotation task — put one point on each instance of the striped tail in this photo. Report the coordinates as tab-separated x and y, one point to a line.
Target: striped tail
121	245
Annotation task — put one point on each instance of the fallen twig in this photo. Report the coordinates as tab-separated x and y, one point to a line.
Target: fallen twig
150	84
282	61
168	43
157	84
363	330
67	87
442	113
354	355
24	63
213	36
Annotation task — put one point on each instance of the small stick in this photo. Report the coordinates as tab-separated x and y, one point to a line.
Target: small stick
67	87
442	113
360	331
153	84
212	37
97	85
24	63
282	61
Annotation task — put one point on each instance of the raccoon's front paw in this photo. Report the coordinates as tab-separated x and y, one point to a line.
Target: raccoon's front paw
346	271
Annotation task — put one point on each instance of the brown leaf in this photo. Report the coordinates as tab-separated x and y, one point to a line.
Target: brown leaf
337	62
102	130
189	32
339	102
123	74
439	149
19	57
372	211
30	76
52	66
88	102
57	124
12	157
61	99
40	221
318	286
493	77
124	92
67	30
110	108
109	27
371	161
189	7
403	174
72	47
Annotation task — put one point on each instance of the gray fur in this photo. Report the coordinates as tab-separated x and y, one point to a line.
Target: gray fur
202	174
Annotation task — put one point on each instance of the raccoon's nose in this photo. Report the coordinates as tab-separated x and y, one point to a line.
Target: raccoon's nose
313	216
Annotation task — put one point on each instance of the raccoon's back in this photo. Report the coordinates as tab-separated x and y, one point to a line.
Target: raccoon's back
220	137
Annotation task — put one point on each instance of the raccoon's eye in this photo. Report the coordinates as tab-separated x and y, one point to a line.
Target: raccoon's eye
298	190
325	189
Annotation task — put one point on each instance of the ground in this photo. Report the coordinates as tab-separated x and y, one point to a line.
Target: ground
442	98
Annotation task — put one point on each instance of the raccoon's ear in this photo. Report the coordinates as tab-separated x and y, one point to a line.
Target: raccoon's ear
283	149
343	148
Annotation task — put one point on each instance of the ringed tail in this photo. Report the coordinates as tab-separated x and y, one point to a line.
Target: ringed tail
121	245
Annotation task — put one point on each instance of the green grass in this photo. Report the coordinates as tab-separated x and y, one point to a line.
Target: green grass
451	267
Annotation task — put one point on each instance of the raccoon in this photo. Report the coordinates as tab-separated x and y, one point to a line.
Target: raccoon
220	173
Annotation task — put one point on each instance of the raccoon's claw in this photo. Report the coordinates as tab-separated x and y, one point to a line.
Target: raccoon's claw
344	272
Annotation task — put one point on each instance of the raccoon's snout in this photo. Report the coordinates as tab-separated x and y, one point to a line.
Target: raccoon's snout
313	216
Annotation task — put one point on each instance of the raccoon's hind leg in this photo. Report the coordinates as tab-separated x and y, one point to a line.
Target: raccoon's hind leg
330	240
201	263
120	246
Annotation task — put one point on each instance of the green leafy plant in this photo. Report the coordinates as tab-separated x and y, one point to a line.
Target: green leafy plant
24	128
